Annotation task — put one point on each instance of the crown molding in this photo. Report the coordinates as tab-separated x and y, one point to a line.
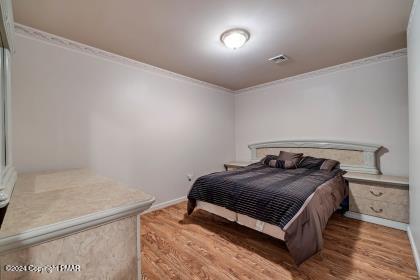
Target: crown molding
26	31
410	19
332	69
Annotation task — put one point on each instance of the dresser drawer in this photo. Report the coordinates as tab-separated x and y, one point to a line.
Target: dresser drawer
392	194
382	209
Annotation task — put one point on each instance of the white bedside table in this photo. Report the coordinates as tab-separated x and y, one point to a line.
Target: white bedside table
379	199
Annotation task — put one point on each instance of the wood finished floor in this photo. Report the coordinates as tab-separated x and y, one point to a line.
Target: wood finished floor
204	246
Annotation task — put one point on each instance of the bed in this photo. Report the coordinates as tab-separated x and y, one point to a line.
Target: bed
291	204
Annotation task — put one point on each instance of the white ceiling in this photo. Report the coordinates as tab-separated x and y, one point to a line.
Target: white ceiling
183	35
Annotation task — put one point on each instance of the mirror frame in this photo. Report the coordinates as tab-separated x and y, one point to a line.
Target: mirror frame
8	174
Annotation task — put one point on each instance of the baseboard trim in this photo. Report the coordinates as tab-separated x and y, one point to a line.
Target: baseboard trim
376	220
414	248
165	204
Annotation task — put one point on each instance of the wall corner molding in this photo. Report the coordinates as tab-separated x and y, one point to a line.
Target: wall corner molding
332	69
414	249
410	19
29	32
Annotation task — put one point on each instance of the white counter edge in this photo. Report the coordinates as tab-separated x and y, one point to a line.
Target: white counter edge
67	227
8	178
377	179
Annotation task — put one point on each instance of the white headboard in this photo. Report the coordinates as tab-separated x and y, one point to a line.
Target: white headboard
353	157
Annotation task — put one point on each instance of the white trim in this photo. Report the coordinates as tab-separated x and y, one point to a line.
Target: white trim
29	32
61	229
328	70
414	248
8	107
321	144
166	204
8	175
138	247
369	151
410	19
377	179
376	220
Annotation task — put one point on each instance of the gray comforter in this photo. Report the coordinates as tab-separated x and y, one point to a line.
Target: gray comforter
279	197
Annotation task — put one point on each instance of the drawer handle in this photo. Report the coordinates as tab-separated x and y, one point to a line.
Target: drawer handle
377	194
376	211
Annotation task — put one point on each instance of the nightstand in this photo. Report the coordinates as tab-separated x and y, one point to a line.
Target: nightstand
234	165
379	199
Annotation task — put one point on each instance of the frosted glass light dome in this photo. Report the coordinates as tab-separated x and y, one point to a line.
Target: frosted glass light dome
234	38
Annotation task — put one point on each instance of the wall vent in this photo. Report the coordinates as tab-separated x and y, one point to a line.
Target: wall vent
278	59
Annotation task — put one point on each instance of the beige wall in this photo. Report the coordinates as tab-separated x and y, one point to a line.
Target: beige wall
145	129
365	104
414	119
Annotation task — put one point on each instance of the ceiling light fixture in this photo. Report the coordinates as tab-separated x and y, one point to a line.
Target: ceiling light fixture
234	38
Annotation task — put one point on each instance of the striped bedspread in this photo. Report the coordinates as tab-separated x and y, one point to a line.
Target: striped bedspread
271	195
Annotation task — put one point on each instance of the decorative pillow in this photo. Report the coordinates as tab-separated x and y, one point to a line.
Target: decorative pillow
273	163
276	163
318	163
266	160
329	164
311	162
291	160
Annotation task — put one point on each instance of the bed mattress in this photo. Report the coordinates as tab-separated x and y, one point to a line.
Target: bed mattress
241	219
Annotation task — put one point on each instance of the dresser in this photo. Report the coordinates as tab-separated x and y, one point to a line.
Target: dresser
62	225
379	199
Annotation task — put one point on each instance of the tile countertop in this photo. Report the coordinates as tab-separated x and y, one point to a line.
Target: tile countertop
46	200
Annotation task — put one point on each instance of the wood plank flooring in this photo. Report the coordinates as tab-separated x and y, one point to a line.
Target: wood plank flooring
204	246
